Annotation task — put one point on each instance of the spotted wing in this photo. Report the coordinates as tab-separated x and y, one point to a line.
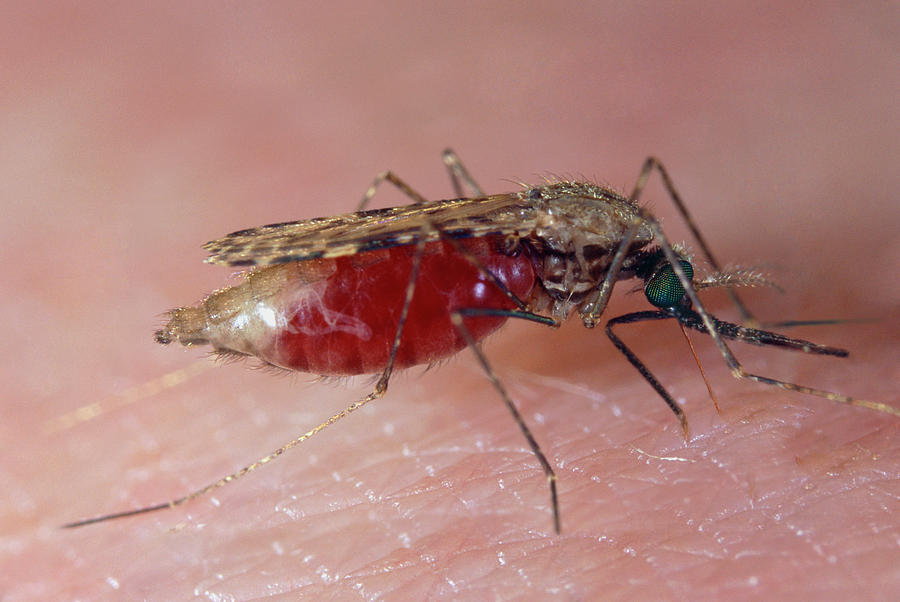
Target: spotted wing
375	229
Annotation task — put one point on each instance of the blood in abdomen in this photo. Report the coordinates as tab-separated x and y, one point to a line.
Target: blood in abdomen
345	324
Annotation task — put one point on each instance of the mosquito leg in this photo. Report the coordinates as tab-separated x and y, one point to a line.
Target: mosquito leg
378	392
456	318
457	170
642	316
472	259
235	475
459	173
397	182
490	312
592	310
382	383
652	163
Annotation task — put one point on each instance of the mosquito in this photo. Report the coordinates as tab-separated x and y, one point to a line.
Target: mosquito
380	290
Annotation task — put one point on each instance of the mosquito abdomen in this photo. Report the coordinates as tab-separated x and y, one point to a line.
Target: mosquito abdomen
339	316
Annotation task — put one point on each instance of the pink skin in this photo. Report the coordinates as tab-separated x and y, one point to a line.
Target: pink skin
131	139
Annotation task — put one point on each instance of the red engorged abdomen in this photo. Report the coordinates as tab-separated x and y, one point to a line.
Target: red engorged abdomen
345	323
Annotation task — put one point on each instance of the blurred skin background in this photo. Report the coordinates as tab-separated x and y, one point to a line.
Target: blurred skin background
131	137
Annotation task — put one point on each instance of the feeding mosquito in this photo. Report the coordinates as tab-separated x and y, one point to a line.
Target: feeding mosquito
379	290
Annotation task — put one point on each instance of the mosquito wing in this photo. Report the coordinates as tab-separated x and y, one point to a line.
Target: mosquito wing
375	229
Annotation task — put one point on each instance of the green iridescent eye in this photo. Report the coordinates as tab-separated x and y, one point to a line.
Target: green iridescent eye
663	289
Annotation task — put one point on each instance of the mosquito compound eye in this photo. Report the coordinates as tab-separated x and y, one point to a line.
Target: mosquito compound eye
664	289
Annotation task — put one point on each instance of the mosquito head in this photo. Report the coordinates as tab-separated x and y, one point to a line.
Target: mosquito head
663	288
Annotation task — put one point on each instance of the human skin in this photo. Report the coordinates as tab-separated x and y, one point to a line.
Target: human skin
129	140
